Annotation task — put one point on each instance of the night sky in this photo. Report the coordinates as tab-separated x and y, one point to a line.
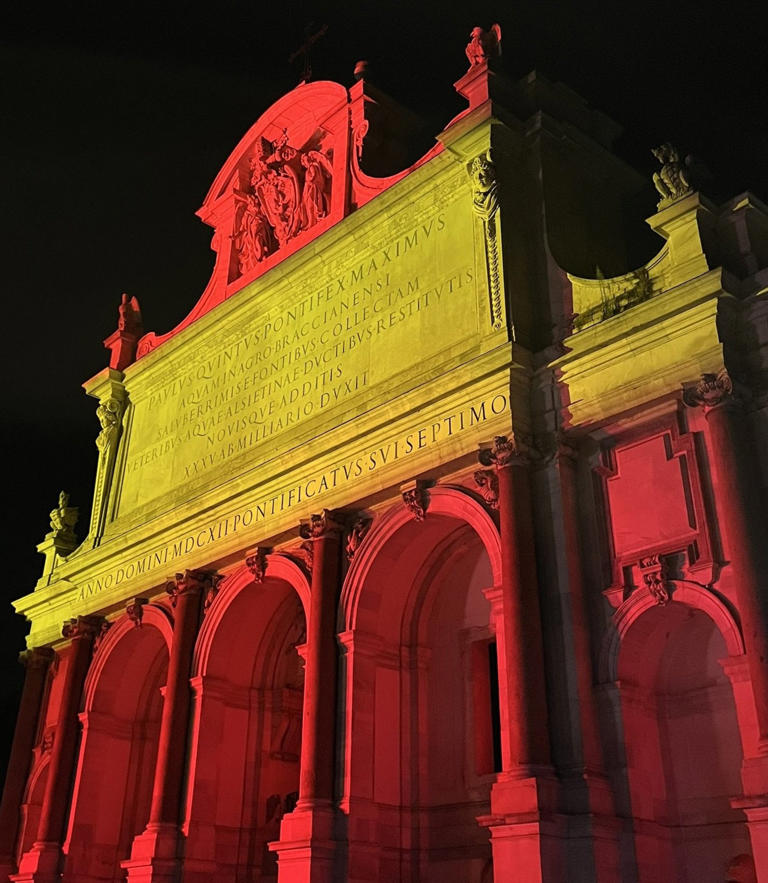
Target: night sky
117	117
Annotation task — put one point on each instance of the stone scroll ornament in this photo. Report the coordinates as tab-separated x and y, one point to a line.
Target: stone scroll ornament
485	202
288	191
654	573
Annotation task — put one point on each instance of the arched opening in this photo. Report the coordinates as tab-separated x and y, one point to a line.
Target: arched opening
116	764
31	808
683	747
422	724
246	748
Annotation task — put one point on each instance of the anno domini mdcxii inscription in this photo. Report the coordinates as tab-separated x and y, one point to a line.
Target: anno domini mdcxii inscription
306	351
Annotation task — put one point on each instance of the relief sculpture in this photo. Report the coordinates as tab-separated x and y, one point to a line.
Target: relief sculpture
288	192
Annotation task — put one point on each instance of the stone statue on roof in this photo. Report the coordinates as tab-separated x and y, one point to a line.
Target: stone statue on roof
483	44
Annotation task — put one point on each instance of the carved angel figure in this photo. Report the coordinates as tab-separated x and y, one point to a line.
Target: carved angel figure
314	196
671	181
64	518
253	239
485	199
109	417
483	44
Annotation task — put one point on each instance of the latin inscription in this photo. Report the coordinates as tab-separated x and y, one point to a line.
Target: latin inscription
386	309
308	491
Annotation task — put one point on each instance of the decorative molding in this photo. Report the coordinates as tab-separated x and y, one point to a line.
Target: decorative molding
488	483
106	625
135	611
654	573
212	591
356	535
416	498
485	202
256	562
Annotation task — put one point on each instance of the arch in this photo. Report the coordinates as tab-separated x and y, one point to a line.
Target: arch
446	501
419	754
247	710
640	601
153	616
278	567
32	804
679	728
121	727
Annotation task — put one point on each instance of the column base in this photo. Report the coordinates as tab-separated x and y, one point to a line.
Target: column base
154	856
522	831
308	848
39	865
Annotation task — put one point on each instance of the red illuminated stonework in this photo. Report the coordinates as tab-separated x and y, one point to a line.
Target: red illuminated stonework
417	552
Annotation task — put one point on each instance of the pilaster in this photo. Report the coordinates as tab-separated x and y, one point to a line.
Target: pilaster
108	388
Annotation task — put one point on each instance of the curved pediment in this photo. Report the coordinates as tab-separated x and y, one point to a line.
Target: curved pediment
283	185
295	173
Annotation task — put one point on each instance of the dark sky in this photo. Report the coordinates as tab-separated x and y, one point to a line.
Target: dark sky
117	117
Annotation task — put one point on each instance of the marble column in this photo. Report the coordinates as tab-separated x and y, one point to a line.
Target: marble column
307	846
36	662
42	863
742	513
526	787
154	854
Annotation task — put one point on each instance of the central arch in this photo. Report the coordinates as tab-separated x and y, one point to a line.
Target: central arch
420	693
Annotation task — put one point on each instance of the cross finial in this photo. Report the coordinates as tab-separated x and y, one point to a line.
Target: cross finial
306	49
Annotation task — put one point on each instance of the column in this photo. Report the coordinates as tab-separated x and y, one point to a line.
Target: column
737	498
742	513
306	849
526	785
154	854
41	863
36	662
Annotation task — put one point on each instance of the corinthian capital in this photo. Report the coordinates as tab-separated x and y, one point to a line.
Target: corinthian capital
504	452
83	627
712	390
189	583
322	525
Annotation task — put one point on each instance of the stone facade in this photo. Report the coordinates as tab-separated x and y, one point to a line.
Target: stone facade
413	555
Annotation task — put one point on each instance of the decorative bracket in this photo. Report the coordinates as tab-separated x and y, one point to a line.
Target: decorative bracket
135	611
487	481
416	498
357	534
653	570
256	562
